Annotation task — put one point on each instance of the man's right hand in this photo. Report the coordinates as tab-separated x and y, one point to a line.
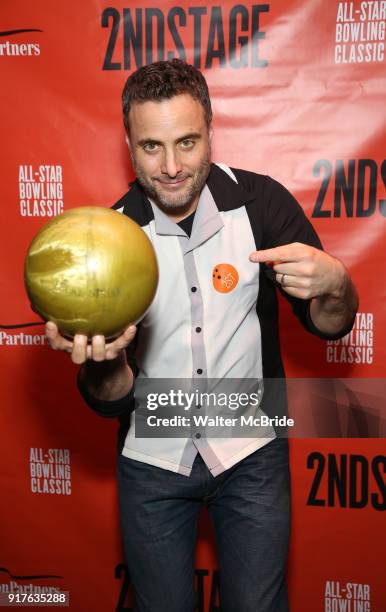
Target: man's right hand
104	372
82	351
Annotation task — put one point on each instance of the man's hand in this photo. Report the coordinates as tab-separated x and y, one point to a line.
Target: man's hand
81	350
303	271
308	273
104	372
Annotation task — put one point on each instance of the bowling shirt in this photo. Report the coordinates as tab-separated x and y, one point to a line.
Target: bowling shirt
215	313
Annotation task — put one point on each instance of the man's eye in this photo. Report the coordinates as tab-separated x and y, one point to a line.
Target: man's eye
149	147
187	144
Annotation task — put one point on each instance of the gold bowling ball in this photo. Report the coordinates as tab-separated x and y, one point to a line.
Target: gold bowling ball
91	271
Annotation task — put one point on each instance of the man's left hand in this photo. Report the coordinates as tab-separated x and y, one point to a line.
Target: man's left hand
303	271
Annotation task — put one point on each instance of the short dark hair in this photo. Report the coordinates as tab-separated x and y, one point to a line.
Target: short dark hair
163	80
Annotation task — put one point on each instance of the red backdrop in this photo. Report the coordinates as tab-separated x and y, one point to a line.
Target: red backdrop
298	92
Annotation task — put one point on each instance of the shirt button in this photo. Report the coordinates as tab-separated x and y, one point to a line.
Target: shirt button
198	329
198	435
199	371
193	289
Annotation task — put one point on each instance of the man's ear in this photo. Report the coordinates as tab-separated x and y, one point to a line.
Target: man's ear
210	134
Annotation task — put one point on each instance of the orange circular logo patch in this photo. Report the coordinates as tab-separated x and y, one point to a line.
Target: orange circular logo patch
225	278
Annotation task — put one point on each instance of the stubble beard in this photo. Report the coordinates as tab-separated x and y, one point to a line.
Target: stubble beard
178	203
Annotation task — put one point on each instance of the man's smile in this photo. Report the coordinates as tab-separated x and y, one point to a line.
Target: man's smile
172	184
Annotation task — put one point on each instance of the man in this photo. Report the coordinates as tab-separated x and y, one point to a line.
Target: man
217	232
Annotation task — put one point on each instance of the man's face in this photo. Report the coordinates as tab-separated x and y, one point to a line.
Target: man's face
170	151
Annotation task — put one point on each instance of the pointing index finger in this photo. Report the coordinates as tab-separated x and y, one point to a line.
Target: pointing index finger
280	254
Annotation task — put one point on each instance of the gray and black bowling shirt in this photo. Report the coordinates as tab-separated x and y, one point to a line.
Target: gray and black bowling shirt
215	313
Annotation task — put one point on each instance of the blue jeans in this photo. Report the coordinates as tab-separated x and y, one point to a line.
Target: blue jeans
250	507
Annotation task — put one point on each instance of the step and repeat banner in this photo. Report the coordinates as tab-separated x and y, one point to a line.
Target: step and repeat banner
298	90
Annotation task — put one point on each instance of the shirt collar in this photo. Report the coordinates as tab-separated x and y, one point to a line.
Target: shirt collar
207	221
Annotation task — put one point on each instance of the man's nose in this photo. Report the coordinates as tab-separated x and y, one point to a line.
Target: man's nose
171	163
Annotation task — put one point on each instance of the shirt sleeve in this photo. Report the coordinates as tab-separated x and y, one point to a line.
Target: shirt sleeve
114	408
107	408
284	223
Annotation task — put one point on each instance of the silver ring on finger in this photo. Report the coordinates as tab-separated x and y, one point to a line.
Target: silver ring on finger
282	280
